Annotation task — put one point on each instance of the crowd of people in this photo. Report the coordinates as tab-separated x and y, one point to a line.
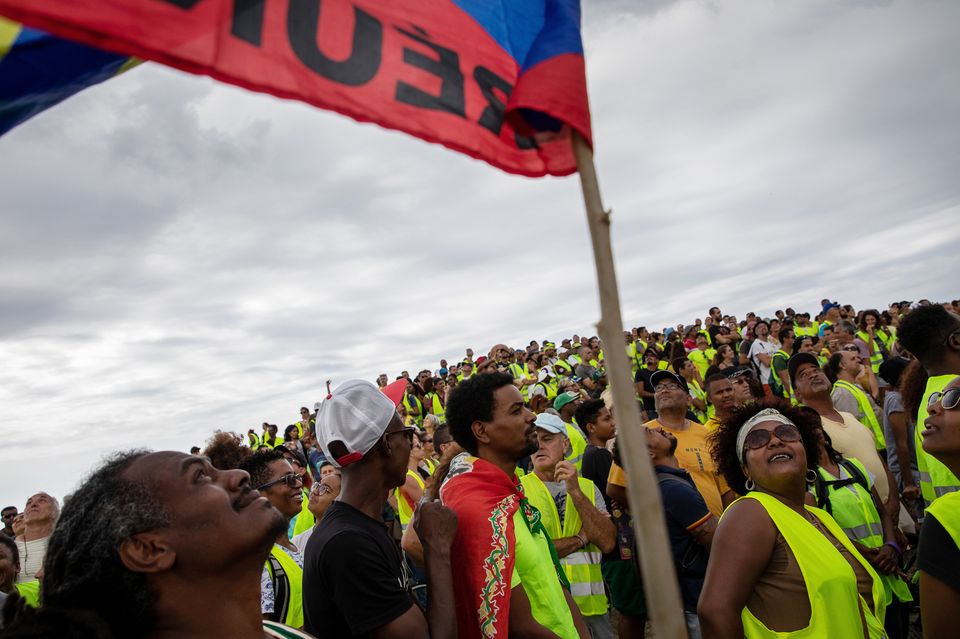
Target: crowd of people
807	466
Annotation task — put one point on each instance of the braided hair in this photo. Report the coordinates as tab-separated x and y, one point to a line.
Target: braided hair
87	592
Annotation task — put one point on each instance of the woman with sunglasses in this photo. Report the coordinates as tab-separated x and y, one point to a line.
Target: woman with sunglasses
778	567
939	553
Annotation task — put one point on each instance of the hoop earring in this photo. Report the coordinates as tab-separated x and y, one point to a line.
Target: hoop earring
812	479
749	485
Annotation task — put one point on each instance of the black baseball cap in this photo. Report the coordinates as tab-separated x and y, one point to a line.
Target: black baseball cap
660	376
796	361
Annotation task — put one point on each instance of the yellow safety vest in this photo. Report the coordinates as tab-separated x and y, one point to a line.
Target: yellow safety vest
287	579
936	479
566	366
877	357
947	511
254	440
436	406
854	511
30	591
577	445
550	388
869	417
702	360
431	465
404	508
887	336
409	406
305	519
700	394
582	567
831	582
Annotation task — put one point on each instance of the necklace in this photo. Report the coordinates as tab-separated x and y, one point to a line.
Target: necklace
813	519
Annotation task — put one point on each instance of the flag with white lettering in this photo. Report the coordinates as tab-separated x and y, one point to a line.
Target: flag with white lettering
38	71
499	80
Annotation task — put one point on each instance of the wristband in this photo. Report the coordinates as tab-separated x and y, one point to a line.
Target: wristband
895	546
583	542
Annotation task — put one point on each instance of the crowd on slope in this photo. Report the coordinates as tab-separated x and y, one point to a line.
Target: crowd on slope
807	468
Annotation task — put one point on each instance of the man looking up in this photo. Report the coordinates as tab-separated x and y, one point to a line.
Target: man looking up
761	352
846	333
690	525
7	515
566	405
829	316
849	436
848	397
39	517
932	335
598	422
574	514
353	577
651	362
702	357
693	451
780	376
507	582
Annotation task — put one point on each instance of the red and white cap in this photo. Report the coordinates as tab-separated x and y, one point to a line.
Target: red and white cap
357	414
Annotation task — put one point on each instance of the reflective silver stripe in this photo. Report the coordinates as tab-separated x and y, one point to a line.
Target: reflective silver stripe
586	589
863	531
575	460
925	477
940	491
582	557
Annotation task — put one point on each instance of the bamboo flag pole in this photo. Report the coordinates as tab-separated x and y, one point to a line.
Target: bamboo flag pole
659	575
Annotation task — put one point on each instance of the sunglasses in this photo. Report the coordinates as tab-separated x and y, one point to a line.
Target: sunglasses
406	430
292	480
761	437
948	399
851	348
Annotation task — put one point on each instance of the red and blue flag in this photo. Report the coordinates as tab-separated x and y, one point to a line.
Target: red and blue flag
499	80
38	71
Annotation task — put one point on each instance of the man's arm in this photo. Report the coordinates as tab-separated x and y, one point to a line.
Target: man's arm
522	623
898	426
598	528
436	526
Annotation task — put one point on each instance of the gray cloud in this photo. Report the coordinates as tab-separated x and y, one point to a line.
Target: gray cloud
180	256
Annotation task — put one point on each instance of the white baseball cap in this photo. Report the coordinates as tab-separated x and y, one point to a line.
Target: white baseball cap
551	424
357	414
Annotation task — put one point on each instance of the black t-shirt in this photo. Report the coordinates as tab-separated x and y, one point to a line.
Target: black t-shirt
353	576
595	466
938	554
643	375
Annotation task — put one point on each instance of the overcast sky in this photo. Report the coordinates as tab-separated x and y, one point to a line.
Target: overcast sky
179	255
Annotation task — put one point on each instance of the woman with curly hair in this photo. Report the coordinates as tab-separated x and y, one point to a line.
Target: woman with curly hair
778	567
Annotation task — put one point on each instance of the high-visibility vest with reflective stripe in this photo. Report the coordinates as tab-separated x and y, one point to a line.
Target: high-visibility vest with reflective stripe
566	366
431	465
577	445
830	581
405	507
254	440
287	579
946	510
869	417
855	512
436	406
877	357
936	479
550	388
887	336
582	567
409	406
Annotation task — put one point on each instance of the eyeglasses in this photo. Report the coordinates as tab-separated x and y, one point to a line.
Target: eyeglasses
292	480
406	430
851	348
948	399
665	386
428	440
759	438
320	489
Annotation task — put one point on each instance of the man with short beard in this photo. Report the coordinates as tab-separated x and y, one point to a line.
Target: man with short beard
507	577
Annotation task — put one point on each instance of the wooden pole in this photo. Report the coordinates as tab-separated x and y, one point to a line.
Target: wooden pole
649	525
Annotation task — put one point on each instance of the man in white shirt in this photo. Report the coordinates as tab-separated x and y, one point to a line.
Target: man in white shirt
39	517
761	352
